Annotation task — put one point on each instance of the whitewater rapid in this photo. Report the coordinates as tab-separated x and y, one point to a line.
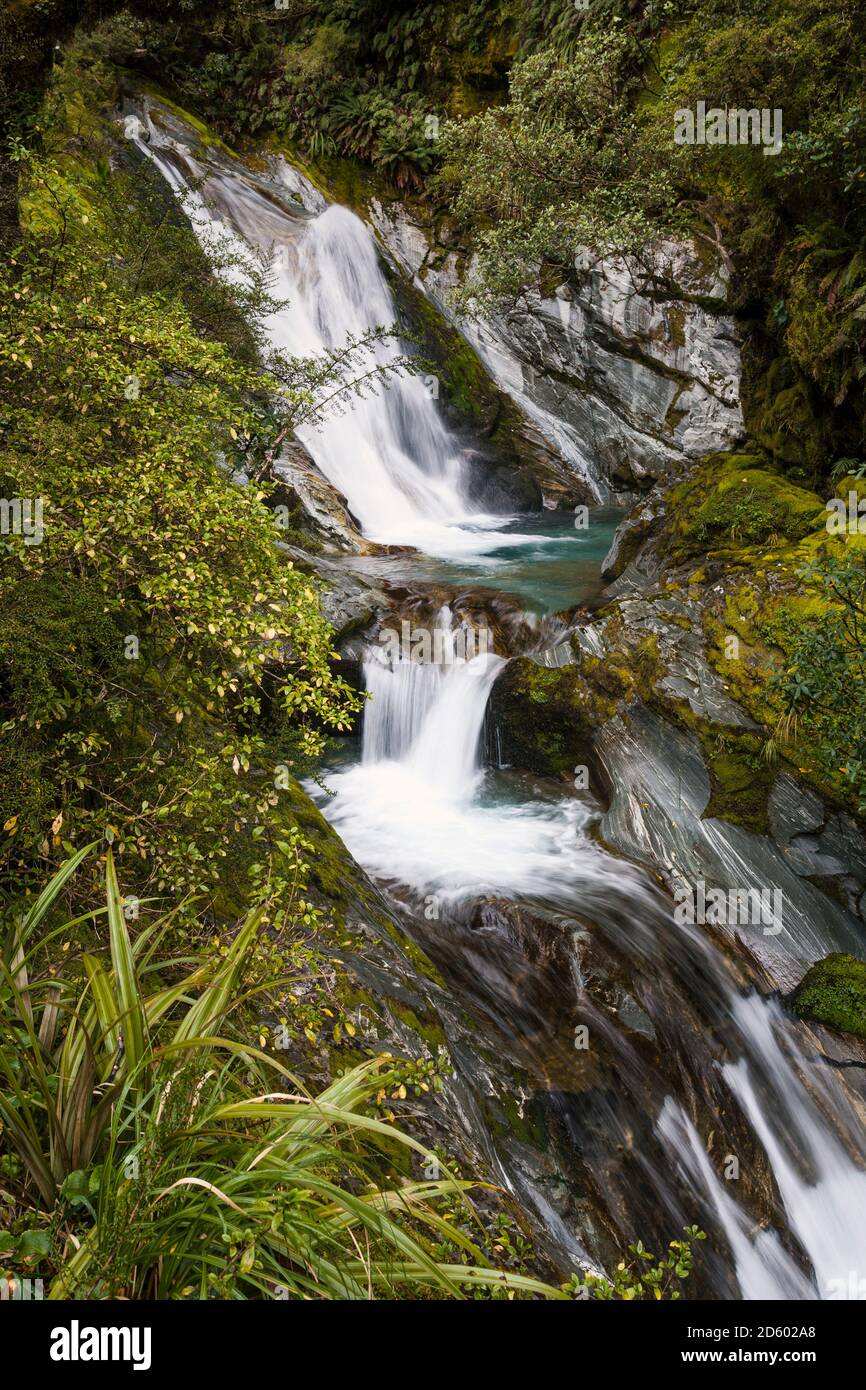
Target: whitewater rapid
415	807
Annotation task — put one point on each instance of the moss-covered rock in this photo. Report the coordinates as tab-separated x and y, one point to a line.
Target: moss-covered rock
741	779
785	421
545	718
833	991
736	501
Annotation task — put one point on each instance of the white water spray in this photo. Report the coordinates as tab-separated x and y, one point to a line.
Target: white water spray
417	807
797	1116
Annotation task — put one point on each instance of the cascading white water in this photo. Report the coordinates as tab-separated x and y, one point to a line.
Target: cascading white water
391	457
416	809
427	718
764	1268
826	1210
389	453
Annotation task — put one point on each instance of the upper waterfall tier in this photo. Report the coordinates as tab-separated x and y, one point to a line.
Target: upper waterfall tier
388	451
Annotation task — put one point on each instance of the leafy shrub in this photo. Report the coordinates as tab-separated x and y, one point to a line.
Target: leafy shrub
158	652
643	1277
564	165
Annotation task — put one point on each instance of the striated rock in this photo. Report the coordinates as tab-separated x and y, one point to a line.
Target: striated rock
628	539
660	796
512	465
291	179
629	370
819	843
304	486
351	602
675	801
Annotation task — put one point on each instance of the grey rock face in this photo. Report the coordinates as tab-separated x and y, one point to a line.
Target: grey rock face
629	369
675	624
819	844
323	504
628	538
298	186
350	602
660	791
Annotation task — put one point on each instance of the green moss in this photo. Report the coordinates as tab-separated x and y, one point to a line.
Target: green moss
660	66
850	483
462	377
783	419
525	1117
833	991
740	778
677	325
747	506
341	180
545	718
207	136
427	1027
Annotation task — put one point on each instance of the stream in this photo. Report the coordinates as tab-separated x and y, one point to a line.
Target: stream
623	1074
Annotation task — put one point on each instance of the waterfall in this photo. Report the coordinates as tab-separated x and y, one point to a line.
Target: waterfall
419	810
389	452
827	1209
427	718
805	1133
414	808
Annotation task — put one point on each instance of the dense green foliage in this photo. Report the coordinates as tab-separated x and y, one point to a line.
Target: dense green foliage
355	78
565	165
583	155
149	1150
160	657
